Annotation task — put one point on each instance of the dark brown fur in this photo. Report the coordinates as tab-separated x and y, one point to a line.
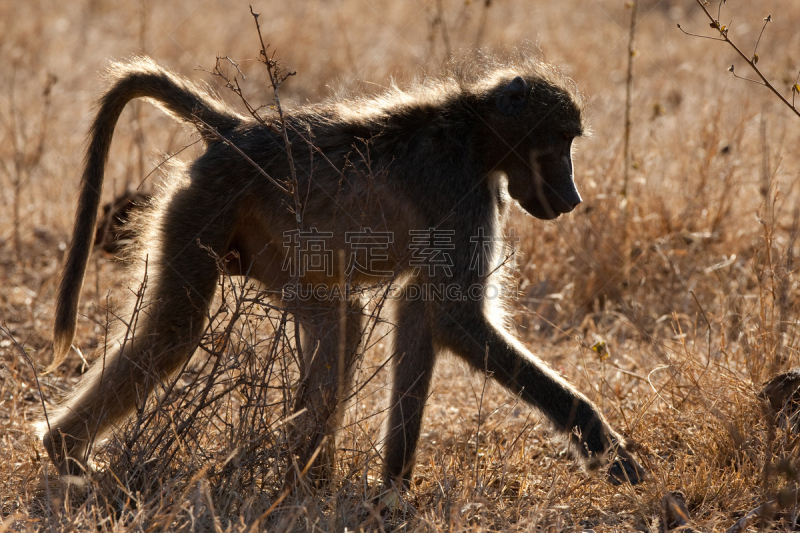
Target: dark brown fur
447	154
113	231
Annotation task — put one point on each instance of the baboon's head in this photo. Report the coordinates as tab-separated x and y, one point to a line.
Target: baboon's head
536	121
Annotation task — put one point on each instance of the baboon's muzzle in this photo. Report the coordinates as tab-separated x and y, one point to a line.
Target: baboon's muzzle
553	192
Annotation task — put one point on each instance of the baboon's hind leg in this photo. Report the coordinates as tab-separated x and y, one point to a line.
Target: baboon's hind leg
325	386
412	369
182	277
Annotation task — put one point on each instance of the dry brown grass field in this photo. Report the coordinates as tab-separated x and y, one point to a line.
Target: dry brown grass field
690	280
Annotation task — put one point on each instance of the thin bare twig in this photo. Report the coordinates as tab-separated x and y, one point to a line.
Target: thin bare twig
19	347
767	20
276	78
629	97
165	161
443	27
213	131
744	522
486	375
482	25
751	61
24	160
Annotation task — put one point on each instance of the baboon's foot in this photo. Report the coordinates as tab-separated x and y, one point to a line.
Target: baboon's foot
66	453
625	469
391	500
319	468
313	465
387	510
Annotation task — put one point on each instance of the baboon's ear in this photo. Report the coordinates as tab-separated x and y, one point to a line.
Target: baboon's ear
512	96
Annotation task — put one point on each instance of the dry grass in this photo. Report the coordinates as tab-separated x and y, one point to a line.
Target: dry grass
691	280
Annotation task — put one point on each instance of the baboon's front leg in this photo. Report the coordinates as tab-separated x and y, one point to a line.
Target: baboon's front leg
485	346
412	368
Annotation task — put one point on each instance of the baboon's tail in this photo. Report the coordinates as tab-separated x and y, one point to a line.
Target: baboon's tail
140	78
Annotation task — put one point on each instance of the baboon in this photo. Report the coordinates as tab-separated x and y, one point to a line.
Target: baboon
446	155
113	231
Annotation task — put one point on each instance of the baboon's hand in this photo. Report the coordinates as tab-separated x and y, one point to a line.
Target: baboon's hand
625	469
